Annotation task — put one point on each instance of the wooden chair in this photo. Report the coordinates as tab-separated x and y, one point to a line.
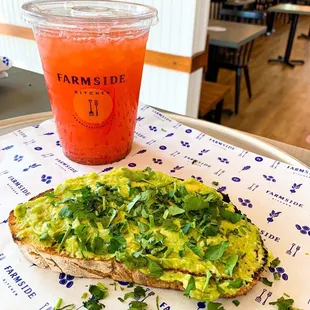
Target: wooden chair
238	59
212	100
215	7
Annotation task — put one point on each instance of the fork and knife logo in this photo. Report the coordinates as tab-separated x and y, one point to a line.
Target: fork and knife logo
91	112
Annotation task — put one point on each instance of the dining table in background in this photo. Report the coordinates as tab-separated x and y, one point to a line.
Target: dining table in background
294	10
232	35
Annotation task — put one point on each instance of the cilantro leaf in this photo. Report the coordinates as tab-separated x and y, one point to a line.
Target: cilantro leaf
138	176
208	277
117	243
182	253
186	228
275	263
133	202
65	212
64	238
215	252
50	194
236	302
155	270
93	305
174	210
230	216
98	246
132	262
211	229
44	236
191	285
195	249
230	264
194	203
282	303
170	226
97	292
137	305
139	292
107	219
237	283
266	282
215	306
143	227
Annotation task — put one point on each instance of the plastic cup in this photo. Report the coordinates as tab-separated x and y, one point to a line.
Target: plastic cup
92	54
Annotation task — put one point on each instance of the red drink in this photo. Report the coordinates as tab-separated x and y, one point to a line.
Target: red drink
93	76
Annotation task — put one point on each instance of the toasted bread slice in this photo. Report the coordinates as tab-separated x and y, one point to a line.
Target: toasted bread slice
49	257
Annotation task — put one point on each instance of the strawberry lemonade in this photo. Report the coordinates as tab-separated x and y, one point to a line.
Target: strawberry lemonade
92	53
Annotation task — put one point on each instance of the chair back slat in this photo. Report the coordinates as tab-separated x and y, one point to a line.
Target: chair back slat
241	56
228	15
215	7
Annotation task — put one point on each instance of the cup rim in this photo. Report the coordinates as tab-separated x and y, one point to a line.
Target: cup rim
31	14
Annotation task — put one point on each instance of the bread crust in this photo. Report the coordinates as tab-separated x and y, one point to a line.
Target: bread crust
94	268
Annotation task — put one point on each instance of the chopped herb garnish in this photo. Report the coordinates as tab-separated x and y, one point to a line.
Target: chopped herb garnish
137	305
266	282
190	286
186	228
182	253
58	304
64	238
275	263
208	277
237	283
276	276
230	264
194	203
84	295
170	225
283	304
215	252
157	302
44	236
174	210
117	243
215	183
230	216
195	249
98	293
236	302
120	299
155	270
215	306
50	194
98	246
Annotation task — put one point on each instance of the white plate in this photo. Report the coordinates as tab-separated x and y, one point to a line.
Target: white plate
219	132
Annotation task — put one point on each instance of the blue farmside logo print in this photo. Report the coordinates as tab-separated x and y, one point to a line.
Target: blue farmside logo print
245	202
279	272
185	144
18	158
6	148
295	187
245	168
272	215
269	178
305	230
32	167
46	179
66	280
223	160
157	161
140	152
203	151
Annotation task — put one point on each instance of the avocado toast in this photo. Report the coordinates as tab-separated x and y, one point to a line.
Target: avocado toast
144	227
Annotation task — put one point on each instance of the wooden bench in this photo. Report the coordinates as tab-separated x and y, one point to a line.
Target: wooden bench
212	98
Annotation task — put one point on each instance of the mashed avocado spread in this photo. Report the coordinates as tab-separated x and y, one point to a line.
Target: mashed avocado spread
169	229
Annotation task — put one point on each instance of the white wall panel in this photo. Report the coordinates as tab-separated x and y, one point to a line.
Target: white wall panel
24	53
